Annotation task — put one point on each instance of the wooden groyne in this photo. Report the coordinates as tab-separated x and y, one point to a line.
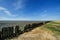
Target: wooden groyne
10	32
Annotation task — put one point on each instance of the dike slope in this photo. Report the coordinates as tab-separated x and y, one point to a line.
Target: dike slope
40	33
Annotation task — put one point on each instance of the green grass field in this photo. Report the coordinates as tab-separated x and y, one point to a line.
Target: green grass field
53	26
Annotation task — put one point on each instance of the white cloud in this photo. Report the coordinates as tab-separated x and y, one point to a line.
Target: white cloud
7	18
44	12
49	18
2	8
6	11
10	16
45	15
20	4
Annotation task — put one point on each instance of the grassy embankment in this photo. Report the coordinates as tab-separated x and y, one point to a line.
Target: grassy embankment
54	26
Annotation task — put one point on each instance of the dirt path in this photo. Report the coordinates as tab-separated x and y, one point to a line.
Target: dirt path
37	34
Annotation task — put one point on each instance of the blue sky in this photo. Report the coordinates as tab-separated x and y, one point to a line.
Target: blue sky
29	9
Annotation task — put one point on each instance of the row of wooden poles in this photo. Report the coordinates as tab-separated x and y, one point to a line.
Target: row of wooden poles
10	32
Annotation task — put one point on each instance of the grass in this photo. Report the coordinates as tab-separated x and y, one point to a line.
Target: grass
57	31
54	28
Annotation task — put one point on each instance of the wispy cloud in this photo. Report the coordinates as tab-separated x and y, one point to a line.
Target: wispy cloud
10	16
7	18
20	4
44	15
6	11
